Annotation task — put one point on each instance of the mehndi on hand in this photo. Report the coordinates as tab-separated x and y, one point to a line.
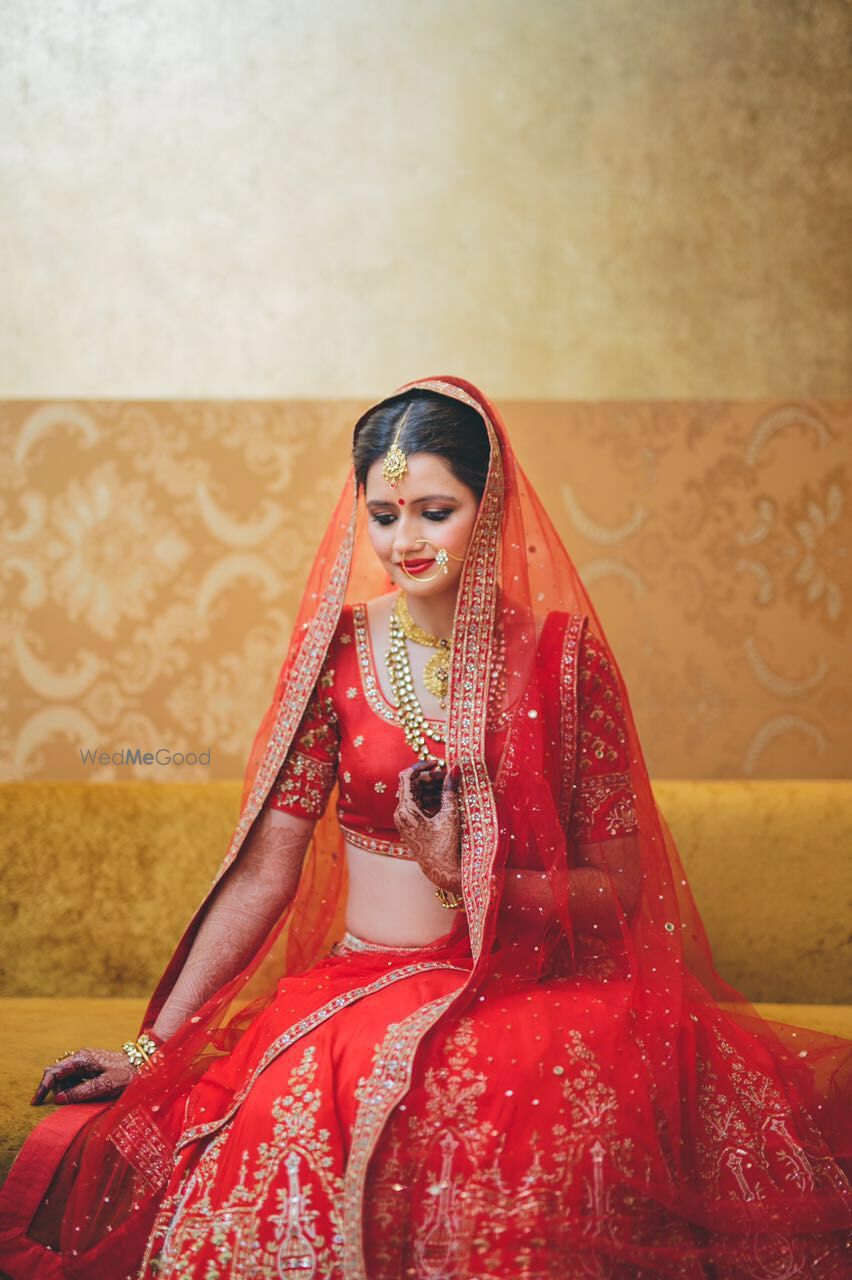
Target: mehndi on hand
428	820
87	1075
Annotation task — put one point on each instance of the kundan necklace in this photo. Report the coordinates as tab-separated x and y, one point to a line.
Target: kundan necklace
436	677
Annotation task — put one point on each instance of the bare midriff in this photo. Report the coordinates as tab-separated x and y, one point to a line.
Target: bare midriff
390	900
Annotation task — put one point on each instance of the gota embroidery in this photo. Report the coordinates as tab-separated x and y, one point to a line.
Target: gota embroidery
604	803
308	775
261	1197
301	1028
462	1185
375	844
377	1095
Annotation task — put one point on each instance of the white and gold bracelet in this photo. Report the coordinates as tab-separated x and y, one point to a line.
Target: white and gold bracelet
140	1051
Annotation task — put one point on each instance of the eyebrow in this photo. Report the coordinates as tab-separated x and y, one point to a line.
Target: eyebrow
432	497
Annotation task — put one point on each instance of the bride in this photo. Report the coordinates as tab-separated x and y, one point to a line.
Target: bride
448	1009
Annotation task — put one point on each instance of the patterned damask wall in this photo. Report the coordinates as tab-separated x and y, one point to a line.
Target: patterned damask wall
154	553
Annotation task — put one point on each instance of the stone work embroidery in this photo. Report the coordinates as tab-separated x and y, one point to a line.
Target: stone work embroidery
470	1191
377	1095
303	1208
304	784
604	803
376	844
307	777
307	1024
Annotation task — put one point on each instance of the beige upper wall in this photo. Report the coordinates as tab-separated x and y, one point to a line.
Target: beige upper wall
585	199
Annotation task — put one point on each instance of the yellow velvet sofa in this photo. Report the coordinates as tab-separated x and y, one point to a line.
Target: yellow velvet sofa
99	882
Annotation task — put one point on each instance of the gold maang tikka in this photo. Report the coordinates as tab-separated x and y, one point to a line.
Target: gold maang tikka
395	464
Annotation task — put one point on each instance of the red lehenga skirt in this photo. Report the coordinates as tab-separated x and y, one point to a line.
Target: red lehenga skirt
524	1147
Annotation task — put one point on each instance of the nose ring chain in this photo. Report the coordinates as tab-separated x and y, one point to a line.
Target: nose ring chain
442	559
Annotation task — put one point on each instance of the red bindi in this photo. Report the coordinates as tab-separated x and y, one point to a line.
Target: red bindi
401	501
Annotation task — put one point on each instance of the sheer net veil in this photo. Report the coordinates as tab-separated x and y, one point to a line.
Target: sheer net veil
523	623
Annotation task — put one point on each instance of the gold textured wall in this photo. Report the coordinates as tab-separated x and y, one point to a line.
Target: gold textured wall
562	199
155	553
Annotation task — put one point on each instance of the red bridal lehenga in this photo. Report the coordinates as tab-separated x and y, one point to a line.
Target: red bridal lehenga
561	1086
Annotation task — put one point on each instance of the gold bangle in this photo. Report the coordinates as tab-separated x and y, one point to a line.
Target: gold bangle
448	899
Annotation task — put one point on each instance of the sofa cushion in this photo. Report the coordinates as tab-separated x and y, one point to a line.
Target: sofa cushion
99	881
768	865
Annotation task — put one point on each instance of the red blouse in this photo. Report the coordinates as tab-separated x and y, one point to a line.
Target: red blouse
350	734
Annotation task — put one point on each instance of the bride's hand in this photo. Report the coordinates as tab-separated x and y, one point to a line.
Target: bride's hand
433	837
87	1075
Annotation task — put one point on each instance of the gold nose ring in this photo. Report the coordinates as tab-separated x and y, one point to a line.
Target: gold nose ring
442	558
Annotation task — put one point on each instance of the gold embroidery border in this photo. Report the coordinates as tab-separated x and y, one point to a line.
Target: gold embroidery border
387	1083
470	678
301	1028
300	685
377	844
144	1146
568	671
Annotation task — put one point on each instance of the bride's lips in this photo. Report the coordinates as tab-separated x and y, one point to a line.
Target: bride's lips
416	566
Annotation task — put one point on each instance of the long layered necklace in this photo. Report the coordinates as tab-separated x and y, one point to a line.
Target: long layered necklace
436	677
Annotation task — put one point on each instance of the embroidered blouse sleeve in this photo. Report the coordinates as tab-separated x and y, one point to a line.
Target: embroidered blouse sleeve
604	803
307	777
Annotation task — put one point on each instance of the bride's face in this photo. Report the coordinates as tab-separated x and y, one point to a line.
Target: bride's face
427	503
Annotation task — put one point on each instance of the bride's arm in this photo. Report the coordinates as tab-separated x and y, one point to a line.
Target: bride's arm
247	902
255	891
606	880
605	872
603	888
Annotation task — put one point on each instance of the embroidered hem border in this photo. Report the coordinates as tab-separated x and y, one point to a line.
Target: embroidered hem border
302	1028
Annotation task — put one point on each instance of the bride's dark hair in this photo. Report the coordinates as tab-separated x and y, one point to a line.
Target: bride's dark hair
436	424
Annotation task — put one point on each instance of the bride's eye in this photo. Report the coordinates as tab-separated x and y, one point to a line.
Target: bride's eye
385	517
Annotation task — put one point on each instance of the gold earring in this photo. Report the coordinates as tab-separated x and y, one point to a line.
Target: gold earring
442	558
